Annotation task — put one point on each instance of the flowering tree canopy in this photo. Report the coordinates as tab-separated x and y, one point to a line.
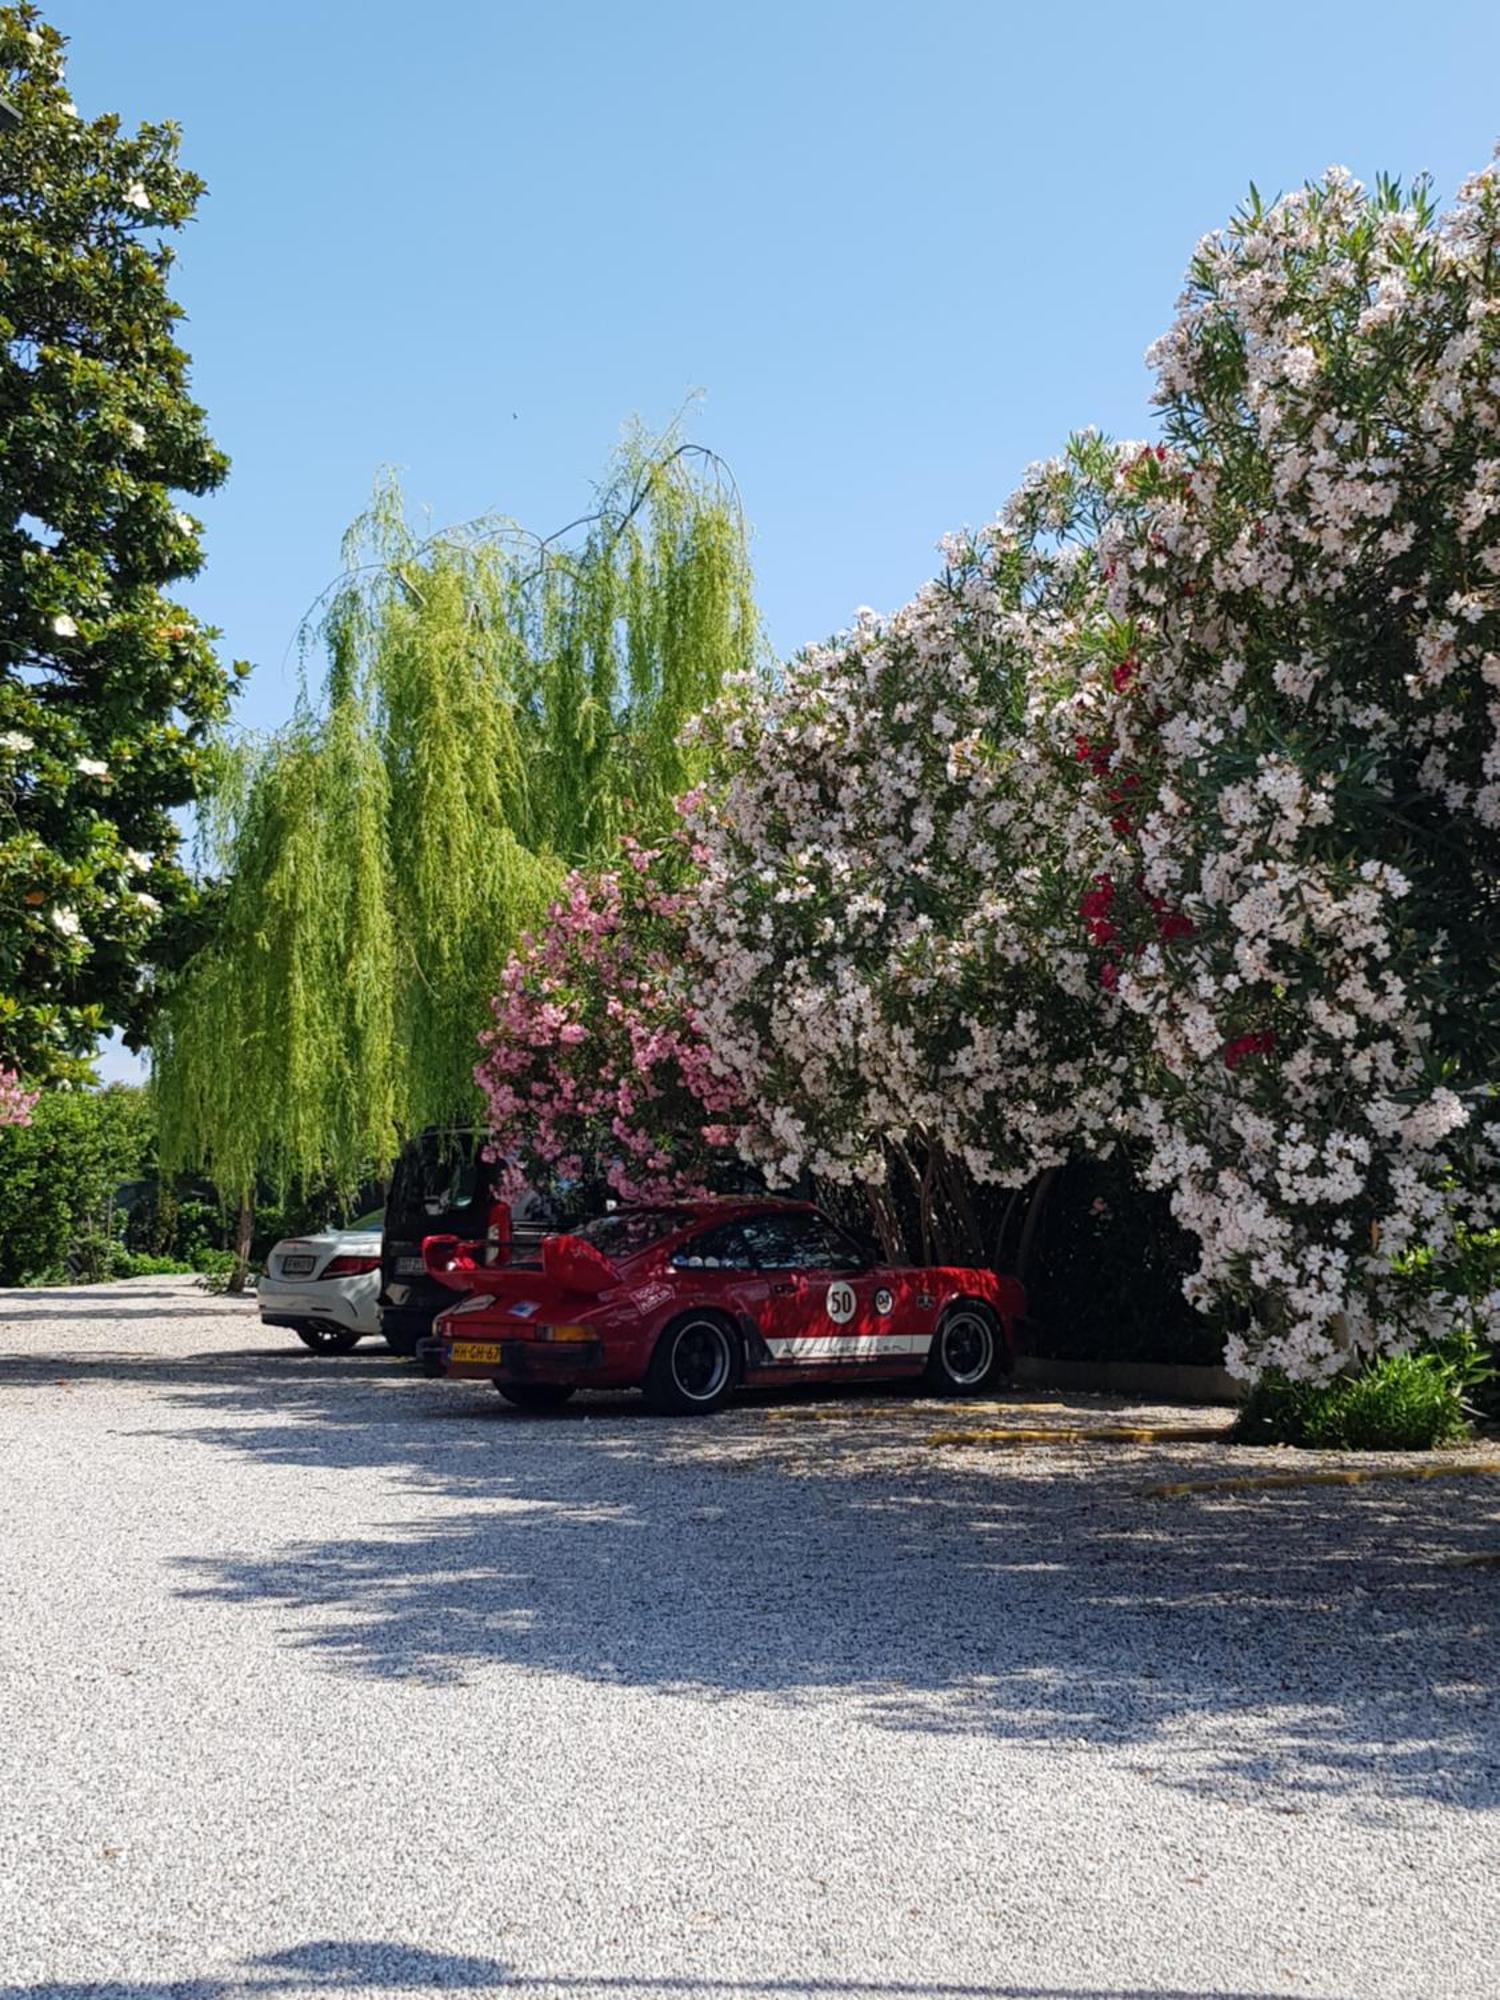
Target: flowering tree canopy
1292	693
107	688
894	953
1171	813
595	1067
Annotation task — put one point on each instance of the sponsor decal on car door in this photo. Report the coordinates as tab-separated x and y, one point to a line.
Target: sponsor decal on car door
825	1316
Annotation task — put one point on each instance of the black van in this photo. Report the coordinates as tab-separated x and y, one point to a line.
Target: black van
442	1186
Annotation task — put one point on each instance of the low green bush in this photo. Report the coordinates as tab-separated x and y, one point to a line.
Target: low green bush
215	1268
1407	1402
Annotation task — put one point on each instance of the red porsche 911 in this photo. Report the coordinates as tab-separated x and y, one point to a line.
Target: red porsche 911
690	1300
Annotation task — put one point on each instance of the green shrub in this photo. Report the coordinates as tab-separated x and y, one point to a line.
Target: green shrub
1276	1410
154	1267
1408	1402
215	1268
58	1177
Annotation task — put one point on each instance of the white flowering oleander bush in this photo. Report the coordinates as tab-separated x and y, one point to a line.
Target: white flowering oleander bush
1172	810
896	956
1301	725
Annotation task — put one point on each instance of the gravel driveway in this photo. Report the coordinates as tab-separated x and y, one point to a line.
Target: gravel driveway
322	1679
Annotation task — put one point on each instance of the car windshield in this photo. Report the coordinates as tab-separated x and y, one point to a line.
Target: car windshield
369	1225
628	1231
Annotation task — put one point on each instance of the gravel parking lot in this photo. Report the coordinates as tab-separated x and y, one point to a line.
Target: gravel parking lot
320	1678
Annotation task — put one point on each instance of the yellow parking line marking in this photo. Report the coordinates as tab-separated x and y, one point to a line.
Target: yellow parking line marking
1089	1434
1361	1475
915	1411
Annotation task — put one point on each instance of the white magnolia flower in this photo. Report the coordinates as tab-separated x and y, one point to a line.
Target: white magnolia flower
13	739
66	921
136	433
64	626
148	903
92	767
138	861
186	524
136	196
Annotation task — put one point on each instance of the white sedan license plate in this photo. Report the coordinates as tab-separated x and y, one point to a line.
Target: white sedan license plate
297	1267
476	1350
409	1267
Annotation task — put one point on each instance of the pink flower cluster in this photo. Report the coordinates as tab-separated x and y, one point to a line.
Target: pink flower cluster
16	1101
596	1063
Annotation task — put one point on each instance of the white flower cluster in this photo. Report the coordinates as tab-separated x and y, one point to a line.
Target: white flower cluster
893	959
1171	812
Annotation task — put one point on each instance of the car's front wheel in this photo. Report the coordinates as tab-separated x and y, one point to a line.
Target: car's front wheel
323	1336
694	1368
536	1395
968	1351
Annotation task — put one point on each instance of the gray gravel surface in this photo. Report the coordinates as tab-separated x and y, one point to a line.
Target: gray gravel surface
319	1678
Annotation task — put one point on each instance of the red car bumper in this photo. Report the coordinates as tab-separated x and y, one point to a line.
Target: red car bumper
575	1362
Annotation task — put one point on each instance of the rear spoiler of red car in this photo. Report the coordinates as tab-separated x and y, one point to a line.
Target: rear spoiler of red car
567	1262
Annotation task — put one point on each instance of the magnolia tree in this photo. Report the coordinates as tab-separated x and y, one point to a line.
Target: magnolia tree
108	687
595	1065
1171	812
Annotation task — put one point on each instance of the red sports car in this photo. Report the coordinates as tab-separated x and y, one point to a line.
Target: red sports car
689	1300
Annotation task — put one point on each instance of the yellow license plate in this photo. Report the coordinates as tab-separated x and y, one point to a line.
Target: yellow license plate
475	1350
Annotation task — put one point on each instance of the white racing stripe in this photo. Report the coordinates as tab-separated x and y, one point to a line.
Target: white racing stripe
849	1346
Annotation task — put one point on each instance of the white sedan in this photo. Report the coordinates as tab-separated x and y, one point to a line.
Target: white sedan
325	1287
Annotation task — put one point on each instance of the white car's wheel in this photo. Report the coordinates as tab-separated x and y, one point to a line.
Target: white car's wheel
325	1336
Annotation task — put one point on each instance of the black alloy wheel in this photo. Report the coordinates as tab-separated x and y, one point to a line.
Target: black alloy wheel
325	1336
694	1368
967	1350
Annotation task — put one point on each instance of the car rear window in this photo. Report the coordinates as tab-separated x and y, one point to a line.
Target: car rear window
628	1231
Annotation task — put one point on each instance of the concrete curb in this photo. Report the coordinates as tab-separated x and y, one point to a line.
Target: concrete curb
1154	1381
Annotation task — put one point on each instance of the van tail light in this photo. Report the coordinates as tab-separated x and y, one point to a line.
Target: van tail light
349	1267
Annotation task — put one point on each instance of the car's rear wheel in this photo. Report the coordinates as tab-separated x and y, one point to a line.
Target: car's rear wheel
695	1366
968	1351
536	1395
324	1336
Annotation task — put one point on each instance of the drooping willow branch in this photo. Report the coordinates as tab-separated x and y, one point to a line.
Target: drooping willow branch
494	708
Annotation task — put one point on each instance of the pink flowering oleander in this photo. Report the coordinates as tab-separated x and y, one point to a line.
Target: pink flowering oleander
595	1054
16	1101
1171	812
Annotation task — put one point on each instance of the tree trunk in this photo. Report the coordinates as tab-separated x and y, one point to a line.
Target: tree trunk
244	1229
1033	1217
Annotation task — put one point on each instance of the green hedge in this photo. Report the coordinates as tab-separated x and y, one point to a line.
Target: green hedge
59	1174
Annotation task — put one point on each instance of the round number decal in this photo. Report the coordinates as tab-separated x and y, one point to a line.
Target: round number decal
840	1303
883	1301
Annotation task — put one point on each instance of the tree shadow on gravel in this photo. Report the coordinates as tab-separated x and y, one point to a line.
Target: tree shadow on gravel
1282	1647
375	1965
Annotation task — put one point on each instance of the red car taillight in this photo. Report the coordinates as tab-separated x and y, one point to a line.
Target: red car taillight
349	1267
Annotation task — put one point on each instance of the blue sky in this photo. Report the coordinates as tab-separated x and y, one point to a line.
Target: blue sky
902	249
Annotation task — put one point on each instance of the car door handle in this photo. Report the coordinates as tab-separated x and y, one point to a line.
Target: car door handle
783	1288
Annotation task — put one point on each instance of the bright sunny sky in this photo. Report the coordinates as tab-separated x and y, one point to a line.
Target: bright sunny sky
901	250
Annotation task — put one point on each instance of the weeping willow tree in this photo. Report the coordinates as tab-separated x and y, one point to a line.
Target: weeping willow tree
494	708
